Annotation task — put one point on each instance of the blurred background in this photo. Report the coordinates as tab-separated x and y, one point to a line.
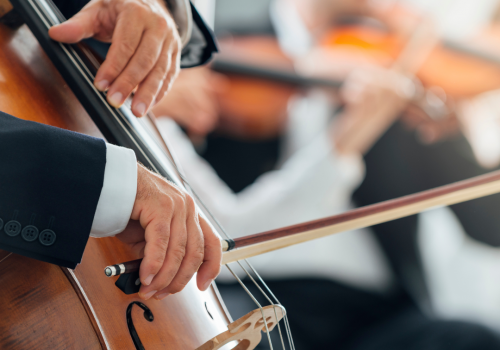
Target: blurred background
314	107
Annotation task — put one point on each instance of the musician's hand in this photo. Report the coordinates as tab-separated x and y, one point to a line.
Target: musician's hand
374	99
192	101
174	239
144	53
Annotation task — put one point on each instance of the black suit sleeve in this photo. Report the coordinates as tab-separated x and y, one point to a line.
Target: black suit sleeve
50	182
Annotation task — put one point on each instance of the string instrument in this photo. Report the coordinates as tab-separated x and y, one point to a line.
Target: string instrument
261	80
44	306
461	70
261	77
47	307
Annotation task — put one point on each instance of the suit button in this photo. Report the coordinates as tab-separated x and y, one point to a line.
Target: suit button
12	228
29	233
47	237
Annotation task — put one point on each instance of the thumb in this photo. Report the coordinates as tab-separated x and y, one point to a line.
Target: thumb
81	26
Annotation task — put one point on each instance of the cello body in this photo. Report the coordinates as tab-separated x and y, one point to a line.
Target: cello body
43	306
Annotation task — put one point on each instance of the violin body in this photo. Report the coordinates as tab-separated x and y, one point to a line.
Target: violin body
459	73
254	107
44	306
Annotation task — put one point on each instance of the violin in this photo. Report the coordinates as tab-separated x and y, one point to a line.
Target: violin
262	79
461	71
44	306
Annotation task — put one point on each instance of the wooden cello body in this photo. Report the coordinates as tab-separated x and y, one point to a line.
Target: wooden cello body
44	306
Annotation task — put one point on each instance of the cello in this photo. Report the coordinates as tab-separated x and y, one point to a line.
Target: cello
44	306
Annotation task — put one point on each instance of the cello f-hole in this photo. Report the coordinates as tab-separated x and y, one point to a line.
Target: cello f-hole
148	315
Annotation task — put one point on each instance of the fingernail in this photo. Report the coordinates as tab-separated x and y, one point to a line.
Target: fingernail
149	295
141	108
206	285
102	85
148	280
116	99
162	296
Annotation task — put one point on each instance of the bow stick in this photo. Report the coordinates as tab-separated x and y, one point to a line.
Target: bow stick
253	245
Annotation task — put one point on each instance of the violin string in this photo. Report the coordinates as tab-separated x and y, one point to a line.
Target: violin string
50	20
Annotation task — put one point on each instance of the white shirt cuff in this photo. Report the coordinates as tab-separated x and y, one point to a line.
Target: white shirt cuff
118	192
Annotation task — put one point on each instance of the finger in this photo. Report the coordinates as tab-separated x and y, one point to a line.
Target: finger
173	72
126	38
81	26
157	238
174	256
132	234
212	260
194	254
149	88
139	66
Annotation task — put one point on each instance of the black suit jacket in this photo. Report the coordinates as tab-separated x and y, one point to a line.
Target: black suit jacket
51	179
50	183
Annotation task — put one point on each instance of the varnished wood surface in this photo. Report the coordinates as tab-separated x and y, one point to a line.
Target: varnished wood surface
39	306
3	255
40	310
181	320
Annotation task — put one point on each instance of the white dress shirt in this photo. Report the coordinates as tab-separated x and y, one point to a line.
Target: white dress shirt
312	183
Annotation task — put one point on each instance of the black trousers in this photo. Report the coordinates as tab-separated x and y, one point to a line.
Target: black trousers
327	315
399	165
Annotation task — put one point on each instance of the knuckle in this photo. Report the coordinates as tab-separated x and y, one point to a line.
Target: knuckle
180	249
113	70
163	228
176	287
197	256
166	201
147	62
178	254
126	48
179	199
190	204
156	263
162	23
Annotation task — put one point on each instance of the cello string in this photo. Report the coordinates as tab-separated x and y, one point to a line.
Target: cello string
74	56
173	159
5	258
256	302
217	222
287	324
180	171
270	301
